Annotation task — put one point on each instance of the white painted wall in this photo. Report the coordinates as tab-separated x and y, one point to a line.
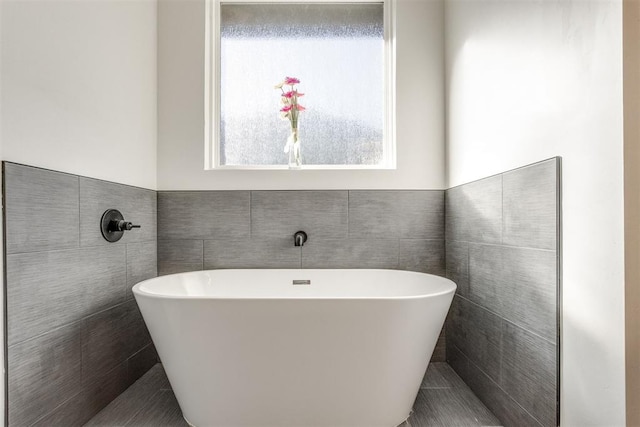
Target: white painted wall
420	108
78	90
78	83
528	80
2	313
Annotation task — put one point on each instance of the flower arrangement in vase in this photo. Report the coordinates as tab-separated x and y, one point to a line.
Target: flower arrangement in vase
290	111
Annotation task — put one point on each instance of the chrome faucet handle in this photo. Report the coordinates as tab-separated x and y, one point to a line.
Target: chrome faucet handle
299	238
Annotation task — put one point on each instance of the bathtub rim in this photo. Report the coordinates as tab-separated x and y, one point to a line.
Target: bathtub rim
452	287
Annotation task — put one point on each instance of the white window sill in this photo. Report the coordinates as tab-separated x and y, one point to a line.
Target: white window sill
303	168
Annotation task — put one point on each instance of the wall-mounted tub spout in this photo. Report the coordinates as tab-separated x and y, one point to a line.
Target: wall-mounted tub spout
299	238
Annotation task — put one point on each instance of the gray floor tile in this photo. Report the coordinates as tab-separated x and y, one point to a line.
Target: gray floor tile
161	410
72	413
150	402
441	375
448	407
496	399
126	406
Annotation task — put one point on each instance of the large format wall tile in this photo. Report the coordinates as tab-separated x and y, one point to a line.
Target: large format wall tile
457	265
142	263
59	272
321	214
43	373
95	395
502	240
353	253
530	206
110	337
426	256
477	333
396	214
141	362
178	256
516	283
50	289
474	211
495	398
137	205
203	215
253	253
41	209
529	372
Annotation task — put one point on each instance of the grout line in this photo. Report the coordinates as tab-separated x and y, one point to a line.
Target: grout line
202	260
105	245
470	362
57	407
79	215
506	320
140	351
66	325
126	270
502	209
501	245
251	214
502	173
151	399
348	210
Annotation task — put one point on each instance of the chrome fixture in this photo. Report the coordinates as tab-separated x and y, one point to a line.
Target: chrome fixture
113	225
299	238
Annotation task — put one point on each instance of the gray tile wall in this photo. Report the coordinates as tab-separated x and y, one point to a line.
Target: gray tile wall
75	336
347	229
502	330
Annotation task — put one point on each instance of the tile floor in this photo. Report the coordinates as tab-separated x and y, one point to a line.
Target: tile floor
444	400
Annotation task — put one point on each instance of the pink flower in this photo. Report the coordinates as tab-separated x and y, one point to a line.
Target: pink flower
292	93
291	81
300	107
286	108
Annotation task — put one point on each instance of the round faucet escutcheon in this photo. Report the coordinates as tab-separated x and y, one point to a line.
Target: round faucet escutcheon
299	238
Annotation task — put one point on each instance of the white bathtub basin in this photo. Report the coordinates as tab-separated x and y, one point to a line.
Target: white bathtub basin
249	348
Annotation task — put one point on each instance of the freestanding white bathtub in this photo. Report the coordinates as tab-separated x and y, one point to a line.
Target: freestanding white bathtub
251	348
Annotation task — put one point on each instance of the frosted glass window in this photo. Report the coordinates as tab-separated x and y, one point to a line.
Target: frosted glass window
337	52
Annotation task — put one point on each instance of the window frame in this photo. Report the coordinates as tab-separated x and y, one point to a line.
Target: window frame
213	81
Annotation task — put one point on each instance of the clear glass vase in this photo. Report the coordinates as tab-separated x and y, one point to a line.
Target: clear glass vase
293	148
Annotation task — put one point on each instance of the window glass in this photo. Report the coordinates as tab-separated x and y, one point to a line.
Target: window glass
337	53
